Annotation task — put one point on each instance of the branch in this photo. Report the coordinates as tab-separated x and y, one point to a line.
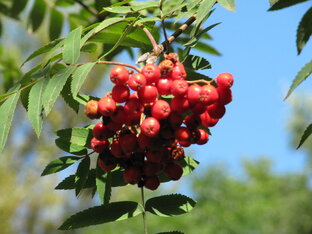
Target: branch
93	12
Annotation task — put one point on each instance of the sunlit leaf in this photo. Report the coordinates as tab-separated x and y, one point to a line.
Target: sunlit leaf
138	6
227	4
79	77
204	10
71	51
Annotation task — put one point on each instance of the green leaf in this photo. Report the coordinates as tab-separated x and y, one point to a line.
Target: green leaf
59	164
192	75
136	7
71	51
304	30
68	97
65	3
37	14
82	174
71	147
170	205
17	7
99	4
53	44
35	107
78	136
188	164
103	185
148	19
204	10
305	135
284	3
196	62
55	86
301	76
79	77
227	4
114	211
172	232
89	48
83	99
56	24
6	112
272	2
202	34
70	182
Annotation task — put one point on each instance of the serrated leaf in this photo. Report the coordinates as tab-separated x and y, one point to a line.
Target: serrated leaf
53	44
35	107
83	99
285	3
304	30
37	14
138	6
54	87
70	182
114	211
6	112
170	205
202	34
103	185
305	135
59	164
56	24
82	174
99	4
148	19
227	4
272	2
79	77
71	51
196	63
17	7
303	74
204	10
192	75
188	164
68	97
71	147
78	136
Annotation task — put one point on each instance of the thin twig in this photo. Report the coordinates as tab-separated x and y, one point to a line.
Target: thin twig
92	11
153	41
144	213
200	81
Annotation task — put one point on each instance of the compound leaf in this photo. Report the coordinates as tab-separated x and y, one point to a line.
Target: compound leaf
227	4
79	77
59	164
71	51
82	174
284	3
56	24
305	135
304	30
37	14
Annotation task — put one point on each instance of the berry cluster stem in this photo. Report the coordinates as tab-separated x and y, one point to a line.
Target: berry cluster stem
119	63
200	81
144	212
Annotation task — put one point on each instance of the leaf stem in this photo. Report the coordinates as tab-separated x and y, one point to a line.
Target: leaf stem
114	63
200	81
144	212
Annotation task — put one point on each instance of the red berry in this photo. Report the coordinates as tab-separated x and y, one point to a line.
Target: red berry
198	109
225	95
145	141
161	109
180	104
183	134
132	175
148	94
164	86
106	106
179	88
128	143
173	171
154	156
91	110
151	73
175	120
120	93
137	81
119	75
150	127
99	146
151	169
116	149
101	131
207	121
208	95
216	110
106	167
225	80
201	137
178	72
193	94
151	183
185	143
192	121
119	116
113	126
133	108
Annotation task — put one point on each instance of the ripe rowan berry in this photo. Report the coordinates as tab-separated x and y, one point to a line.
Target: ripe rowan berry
137	81
150	127
120	93
151	73
225	80
160	109
106	106
119	75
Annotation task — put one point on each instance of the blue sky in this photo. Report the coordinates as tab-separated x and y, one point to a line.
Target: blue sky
258	48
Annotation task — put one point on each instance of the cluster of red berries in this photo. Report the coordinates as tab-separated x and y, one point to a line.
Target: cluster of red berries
161	114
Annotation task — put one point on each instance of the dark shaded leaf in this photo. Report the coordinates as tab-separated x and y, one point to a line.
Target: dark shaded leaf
68	97
304	30
17	7
89	48
192	75
170	205
305	135
103	185
56	24
284	3
82	174
99	4
6	112
102	214
227	4
59	164
37	14
196	62
71	51
70	182
301	76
